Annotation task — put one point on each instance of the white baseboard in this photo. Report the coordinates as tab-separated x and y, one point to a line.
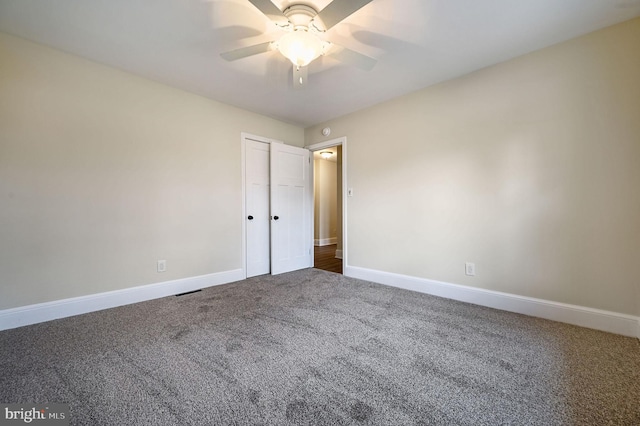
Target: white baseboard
41	312
325	241
338	254
613	322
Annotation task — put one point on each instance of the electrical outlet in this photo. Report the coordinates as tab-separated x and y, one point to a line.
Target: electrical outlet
470	268
162	266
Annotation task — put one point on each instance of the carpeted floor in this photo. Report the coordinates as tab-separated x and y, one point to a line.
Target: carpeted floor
312	347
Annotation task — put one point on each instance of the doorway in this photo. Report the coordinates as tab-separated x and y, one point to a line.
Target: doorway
329	168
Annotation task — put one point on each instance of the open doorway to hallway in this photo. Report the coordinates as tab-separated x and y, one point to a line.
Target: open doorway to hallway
328	248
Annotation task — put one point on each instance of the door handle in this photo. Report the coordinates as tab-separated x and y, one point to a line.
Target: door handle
250	217
276	217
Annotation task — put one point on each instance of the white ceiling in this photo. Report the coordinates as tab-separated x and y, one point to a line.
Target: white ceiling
417	43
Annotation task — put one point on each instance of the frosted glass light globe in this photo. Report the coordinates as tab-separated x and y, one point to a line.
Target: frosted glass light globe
300	47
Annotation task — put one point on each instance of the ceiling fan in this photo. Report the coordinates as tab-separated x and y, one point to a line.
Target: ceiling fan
302	42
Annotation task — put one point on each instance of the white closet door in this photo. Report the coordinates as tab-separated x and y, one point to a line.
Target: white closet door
291	201
257	208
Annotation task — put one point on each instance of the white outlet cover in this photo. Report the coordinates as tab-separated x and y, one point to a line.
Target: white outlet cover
470	268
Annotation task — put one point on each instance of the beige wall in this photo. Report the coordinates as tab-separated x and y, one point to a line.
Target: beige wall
530	169
325	199
103	173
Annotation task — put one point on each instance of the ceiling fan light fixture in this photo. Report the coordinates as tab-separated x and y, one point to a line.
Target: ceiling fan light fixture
300	47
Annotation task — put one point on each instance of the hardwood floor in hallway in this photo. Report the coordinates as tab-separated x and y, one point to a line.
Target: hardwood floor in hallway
324	257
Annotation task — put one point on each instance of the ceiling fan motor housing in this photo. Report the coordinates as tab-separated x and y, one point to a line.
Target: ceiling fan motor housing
300	15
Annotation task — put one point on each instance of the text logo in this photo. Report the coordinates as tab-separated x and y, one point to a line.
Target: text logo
34	414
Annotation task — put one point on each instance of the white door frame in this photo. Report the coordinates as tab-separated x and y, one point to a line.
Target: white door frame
342	141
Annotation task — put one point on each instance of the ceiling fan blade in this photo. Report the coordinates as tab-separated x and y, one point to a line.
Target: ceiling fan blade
351	57
243	52
338	10
300	77
270	10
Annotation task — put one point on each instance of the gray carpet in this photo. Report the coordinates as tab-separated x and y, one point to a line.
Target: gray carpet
312	347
